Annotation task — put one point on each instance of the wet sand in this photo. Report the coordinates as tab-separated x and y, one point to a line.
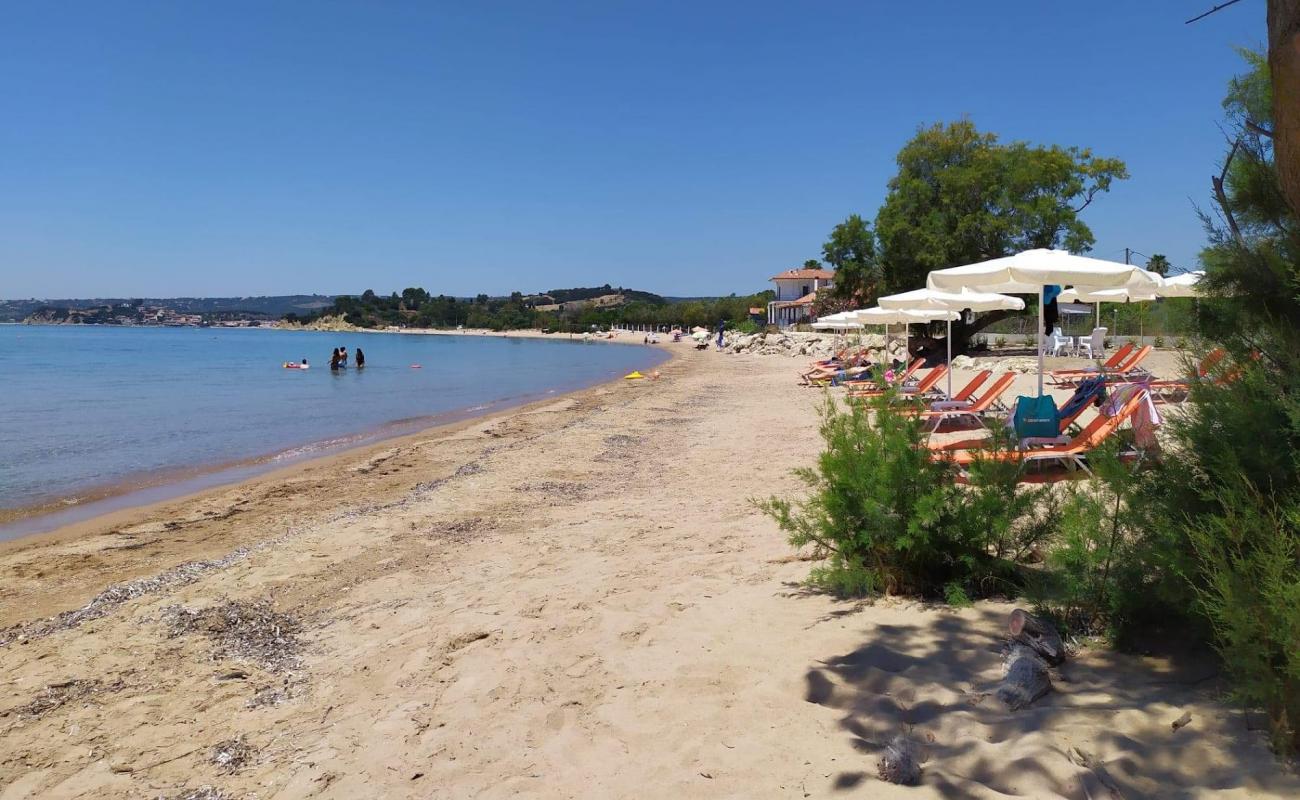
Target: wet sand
572	599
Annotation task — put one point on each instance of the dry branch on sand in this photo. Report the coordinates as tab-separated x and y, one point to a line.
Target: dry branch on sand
900	762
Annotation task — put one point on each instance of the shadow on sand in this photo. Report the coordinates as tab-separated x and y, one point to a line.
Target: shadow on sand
934	680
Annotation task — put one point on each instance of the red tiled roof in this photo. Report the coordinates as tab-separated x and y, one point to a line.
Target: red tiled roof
804	274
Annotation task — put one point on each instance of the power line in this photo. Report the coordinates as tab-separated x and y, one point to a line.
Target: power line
1211	11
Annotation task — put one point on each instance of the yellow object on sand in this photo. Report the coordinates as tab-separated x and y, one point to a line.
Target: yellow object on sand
632	376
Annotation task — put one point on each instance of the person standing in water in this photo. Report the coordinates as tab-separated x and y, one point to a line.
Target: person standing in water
334	360
343	357
361	358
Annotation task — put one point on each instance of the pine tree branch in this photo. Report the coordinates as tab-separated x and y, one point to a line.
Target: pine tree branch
1260	129
1222	196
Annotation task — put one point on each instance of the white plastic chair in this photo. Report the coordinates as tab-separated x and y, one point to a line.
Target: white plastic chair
1095	345
1059	341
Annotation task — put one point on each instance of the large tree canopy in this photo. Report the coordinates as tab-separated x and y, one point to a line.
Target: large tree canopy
961	197
851	250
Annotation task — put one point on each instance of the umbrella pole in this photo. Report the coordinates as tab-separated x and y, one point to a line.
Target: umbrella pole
949	340
1098	325
1040	341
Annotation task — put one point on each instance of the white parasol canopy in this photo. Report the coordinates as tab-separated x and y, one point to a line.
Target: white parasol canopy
1183	285
1083	295
952	301
840	317
901	316
1029	271
841	321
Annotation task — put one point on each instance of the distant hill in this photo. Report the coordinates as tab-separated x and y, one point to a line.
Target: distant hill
600	296
269	307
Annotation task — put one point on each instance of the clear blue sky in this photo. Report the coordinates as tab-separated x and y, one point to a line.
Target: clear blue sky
230	148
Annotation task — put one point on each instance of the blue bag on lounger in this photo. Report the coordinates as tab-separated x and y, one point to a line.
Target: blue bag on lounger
1037	416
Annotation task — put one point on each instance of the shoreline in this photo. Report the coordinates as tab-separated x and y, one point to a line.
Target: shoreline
144	490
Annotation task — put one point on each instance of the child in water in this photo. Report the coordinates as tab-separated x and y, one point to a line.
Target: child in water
361	358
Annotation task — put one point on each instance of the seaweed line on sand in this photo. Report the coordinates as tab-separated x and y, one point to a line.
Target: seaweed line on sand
249	631
232	755
109	600
204	792
56	695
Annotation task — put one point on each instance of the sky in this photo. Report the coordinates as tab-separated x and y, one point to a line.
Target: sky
686	148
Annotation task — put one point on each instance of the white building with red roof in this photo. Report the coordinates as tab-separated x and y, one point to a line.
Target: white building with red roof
796	291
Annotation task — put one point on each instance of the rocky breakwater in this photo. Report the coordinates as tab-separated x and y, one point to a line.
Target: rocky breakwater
1021	364
338	323
793	344
823	345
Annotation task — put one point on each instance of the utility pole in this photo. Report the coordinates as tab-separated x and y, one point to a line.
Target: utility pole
1126	255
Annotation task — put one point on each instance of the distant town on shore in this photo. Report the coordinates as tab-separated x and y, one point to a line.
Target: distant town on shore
412	308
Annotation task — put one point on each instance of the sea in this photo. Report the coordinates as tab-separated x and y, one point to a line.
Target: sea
95	418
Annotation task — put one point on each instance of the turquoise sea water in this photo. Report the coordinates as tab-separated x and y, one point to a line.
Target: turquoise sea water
89	411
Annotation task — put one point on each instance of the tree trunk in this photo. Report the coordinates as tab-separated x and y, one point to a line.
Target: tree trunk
1026	679
1284	67
1038	635
962	333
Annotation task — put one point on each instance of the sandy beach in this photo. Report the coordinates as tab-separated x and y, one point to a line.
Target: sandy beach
576	598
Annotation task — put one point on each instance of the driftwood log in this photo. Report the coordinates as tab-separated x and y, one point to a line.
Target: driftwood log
1038	635
1026	678
900	762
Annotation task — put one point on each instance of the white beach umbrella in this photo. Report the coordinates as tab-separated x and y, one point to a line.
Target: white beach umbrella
952	301
843	319
1099	296
901	316
1183	285
836	322
1029	271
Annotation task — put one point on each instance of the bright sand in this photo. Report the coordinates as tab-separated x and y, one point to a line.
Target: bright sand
573	599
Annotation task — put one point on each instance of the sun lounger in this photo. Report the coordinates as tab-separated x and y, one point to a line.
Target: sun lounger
1114	361
1130	370
1176	390
836	377
907	373
923	388
969	389
1072	454
958	400
989	402
1071	409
